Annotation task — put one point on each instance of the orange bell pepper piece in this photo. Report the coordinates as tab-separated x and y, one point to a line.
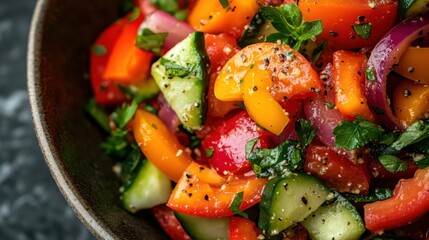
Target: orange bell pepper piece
349	76
260	104
128	64
411	101
159	145
413	64
293	75
209	16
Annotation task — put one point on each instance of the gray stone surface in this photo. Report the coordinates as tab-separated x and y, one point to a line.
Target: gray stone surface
31	206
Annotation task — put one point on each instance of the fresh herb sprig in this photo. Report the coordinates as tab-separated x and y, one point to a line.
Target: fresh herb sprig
150	41
283	159
292	29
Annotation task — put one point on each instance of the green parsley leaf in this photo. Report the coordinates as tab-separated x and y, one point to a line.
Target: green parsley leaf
369	73
134	14
175	70
150	41
99	50
168	6
415	133
149	108
353	135
116	144
121	116
376	194
225	4
209	152
305	132
330	105
98	114
250	145
235	205
363	30
131	162
287	19
393	164
276	161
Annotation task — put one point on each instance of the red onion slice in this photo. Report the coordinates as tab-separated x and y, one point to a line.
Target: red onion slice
167	114
385	54
159	21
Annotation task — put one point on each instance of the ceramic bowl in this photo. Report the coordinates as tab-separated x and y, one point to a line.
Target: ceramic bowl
58	57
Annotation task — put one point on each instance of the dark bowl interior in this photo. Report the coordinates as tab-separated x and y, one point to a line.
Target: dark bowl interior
60	38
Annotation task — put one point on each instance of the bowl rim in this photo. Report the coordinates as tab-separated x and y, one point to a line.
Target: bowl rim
75	201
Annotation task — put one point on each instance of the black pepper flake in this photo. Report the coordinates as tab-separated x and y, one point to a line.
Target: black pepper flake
286	186
206	197
201	169
276	49
359	73
304	200
406	93
333	34
190	194
188	175
255	88
361	18
410	70
266	62
353	37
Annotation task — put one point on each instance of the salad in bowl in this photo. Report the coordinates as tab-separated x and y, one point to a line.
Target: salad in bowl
269	119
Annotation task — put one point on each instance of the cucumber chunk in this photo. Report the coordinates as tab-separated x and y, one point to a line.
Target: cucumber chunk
256	31
338	220
411	8
182	76
147	188
141	92
289	200
199	228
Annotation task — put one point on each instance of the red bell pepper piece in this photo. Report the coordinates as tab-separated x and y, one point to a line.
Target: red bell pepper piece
165	217
242	229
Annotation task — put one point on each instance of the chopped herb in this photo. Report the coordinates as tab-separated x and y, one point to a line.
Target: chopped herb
150	41
131	162
142	92
99	50
121	116
287	19
363	30
305	131
250	145
134	14
149	108
116	144
330	105
376	194
318	51
277	161
235	205
225	4
393	164
194	141
369	73
416	132
353	135
98	114
209	152
168	6
173	69
240	105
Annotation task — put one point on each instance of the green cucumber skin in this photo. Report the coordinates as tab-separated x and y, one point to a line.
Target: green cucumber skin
199	228
256	31
410	8
288	200
339	220
186	95
147	188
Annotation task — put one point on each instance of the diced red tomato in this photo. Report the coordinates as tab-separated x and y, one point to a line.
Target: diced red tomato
165	217
242	229
336	170
202	192
340	16
220	48
128	64
105	91
410	201
227	142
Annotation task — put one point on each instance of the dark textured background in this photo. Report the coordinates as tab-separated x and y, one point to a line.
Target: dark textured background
31	206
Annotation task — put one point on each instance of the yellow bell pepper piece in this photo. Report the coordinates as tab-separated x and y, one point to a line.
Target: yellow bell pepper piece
260	104
413	64
411	101
159	145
